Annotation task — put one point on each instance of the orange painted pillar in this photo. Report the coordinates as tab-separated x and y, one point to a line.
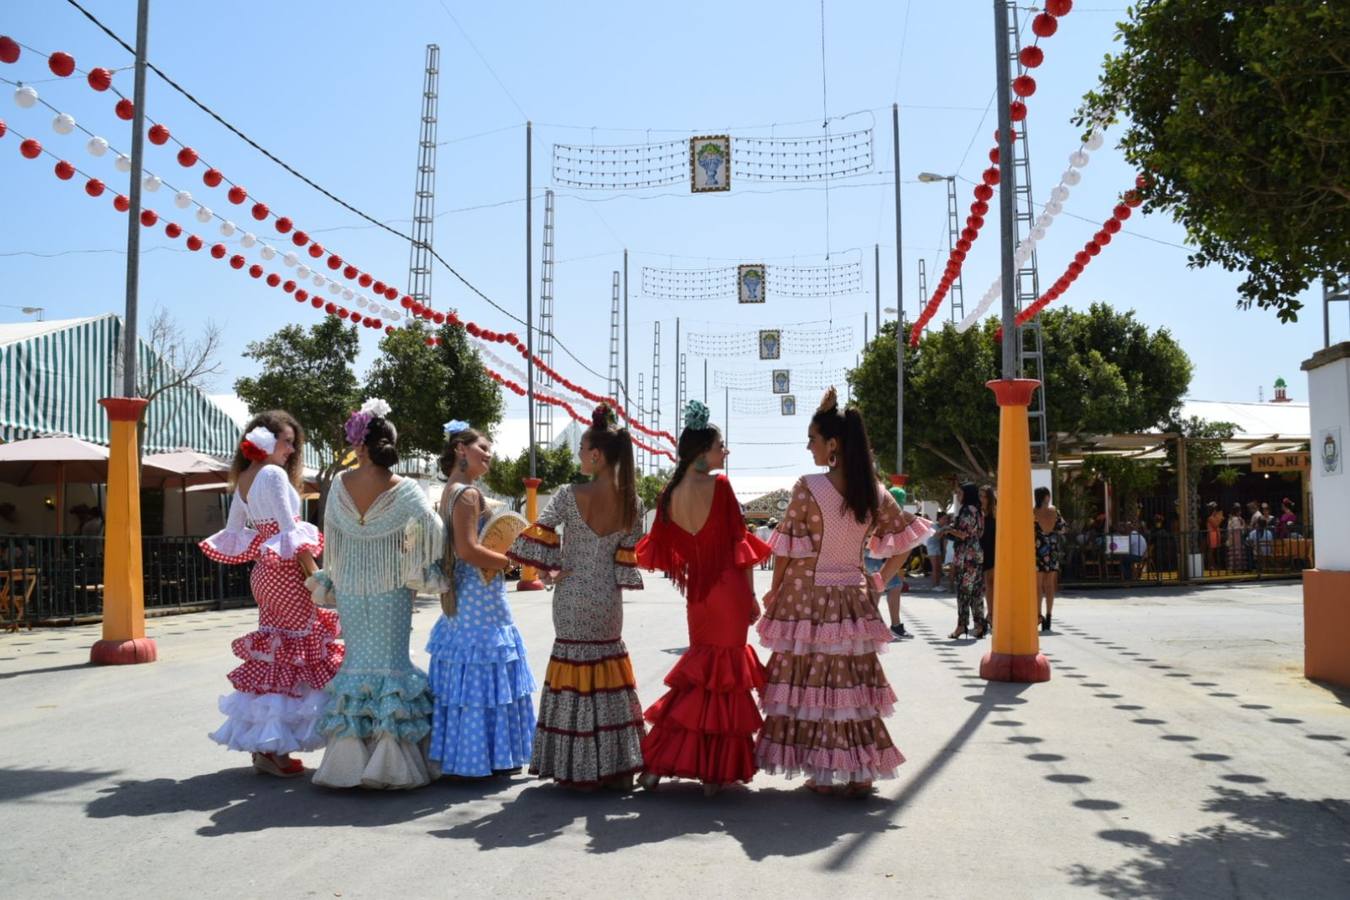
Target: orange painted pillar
529	578
124	641
1015	655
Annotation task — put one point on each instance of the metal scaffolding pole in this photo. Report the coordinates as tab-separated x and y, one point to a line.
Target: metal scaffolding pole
424	194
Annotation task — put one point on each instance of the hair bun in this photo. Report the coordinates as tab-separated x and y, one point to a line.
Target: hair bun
829	402
602	418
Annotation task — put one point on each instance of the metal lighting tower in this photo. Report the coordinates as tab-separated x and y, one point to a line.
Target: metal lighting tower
656	383
424	196
543	412
923	279
614	338
958	303
679	378
641	454
682	389
1030	350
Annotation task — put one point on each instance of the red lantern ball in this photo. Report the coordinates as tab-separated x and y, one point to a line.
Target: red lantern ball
473	329
273	279
237	194
993	155
364	280
300	294
1111	226
2	128
1102	238
406	302
1121	212
342	312
1024	85
158	135
1092	248
237	261
260	211
1132	199
1075	267
299	239
9	49
316	250
31	148
440	318
334	261
1081	258
218	251
124	109
149	217
963	245
391	293
64	170
187	157
1031	56
316	302
379	287
1058	7
283	224
959	255
969	234
991	176
173	229
99	78
431	342
1044	25
979	208
61	63
330	308
121	203
194	243
1141	181
349	272
212	178
1017	110
288	286
255	270
976	222
389	329
983	191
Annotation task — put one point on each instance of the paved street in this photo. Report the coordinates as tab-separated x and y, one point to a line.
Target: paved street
1177	752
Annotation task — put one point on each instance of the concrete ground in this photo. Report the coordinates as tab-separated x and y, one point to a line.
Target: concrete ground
1176	752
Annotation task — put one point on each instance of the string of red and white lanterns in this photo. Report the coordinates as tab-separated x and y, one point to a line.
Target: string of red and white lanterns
100	79
1059	194
1043	25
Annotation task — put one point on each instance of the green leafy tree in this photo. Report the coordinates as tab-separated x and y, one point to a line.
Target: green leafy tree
427	386
1237	114
553	467
1105	373
308	372
649	488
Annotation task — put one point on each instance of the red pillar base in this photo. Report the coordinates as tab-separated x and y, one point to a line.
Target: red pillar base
532	584
123	653
1021	668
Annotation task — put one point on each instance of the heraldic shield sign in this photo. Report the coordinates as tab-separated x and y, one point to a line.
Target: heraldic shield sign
770	344
750	283
788	405
782	381
710	163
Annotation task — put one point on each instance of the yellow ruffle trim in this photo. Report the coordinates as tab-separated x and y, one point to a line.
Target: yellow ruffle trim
541	535
586	678
625	557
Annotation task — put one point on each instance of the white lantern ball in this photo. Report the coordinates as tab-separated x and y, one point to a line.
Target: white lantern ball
248	239
290	259
1071	177
1038	234
302	273
64	123
268	252
26	97
182	199
227	228
152	183
1059	193
122	163
203	214
97	146
1095	141
319	280
1078	159
360	301
1054	208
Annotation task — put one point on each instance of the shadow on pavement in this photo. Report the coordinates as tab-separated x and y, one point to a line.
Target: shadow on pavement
1271	845
240	800
16	784
758	819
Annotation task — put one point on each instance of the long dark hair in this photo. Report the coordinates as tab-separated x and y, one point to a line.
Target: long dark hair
274	420
970	496
860	479
449	456
988	491
694	442
616	446
1042	494
382	442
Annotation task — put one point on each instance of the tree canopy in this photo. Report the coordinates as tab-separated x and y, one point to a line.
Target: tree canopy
553	467
1236	112
1105	373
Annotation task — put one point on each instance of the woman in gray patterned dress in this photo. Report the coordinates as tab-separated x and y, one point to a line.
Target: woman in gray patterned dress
590	722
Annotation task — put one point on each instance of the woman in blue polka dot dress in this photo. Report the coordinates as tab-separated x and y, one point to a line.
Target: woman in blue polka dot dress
483	718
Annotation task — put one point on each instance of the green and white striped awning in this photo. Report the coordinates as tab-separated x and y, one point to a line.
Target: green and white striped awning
52	375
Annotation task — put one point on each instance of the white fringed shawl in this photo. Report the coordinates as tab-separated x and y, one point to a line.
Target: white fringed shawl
396	544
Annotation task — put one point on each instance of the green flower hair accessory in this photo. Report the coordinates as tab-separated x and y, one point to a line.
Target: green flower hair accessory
696	415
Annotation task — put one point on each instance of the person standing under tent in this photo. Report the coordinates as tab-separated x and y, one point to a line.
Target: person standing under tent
1050	528
590	721
482	720
278	689
827	693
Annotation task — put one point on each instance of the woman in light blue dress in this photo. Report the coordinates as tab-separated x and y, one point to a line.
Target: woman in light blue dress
384	544
483	722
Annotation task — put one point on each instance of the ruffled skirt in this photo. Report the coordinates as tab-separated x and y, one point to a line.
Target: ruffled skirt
826	692
483	714
704	727
590	722
270	723
376	724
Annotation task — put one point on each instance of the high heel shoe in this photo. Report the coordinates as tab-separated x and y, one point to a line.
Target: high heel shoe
981	630
648	781
959	632
1045	623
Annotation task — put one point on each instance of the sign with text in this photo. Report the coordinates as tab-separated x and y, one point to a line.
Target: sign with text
1280	462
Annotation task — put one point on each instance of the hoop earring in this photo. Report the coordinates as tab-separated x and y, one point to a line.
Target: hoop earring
701	465
833	461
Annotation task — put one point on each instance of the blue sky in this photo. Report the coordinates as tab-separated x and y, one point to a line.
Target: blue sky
335	90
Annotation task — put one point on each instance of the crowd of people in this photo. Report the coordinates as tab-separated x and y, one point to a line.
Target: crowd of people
341	679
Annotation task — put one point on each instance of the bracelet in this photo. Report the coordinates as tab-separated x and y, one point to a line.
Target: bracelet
875	579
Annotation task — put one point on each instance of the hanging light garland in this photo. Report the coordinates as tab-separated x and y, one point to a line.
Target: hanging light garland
1043	25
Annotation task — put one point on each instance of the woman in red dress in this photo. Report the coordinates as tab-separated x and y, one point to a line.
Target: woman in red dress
704	727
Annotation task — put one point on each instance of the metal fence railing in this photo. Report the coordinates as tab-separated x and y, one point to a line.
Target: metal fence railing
1169	557
59	579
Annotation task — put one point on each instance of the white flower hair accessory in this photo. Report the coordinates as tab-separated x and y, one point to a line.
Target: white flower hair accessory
376	407
258	444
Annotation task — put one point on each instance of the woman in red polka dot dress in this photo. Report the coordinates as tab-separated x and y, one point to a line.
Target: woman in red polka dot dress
278	697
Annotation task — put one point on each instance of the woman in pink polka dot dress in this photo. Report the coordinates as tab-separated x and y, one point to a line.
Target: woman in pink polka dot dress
826	693
278	689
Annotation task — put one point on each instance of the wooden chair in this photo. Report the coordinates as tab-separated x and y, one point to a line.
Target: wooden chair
14	604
